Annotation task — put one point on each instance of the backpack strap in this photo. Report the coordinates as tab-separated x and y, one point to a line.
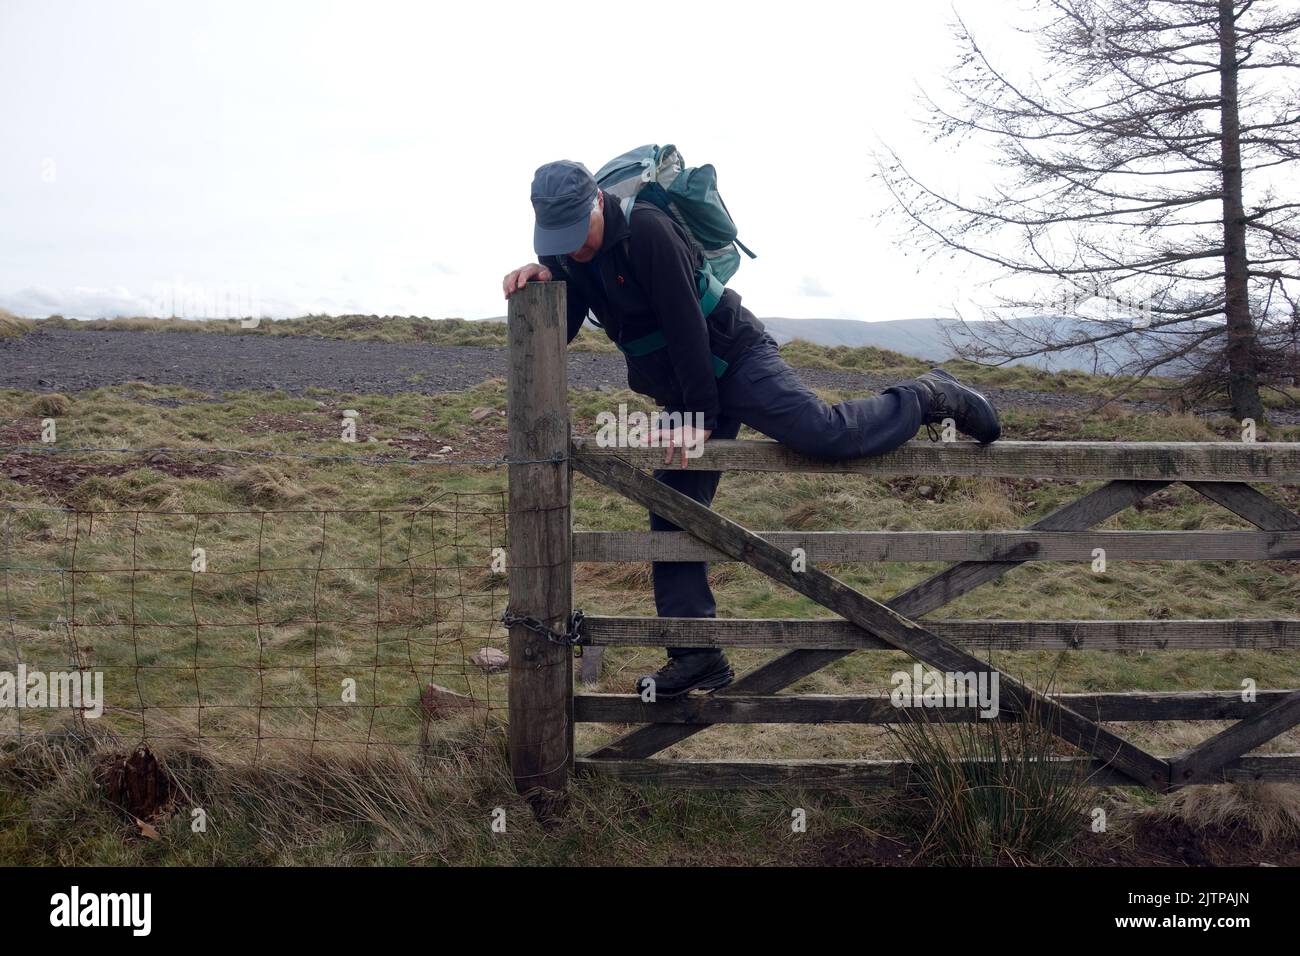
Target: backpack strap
656	341
710	288
707	285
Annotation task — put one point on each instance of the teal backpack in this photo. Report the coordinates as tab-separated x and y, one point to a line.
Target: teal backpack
690	196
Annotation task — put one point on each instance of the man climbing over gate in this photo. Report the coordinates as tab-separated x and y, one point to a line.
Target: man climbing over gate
706	355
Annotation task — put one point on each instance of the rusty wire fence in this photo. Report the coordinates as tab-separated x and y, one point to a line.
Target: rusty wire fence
357	627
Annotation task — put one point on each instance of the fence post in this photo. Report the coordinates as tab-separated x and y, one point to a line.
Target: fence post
539	534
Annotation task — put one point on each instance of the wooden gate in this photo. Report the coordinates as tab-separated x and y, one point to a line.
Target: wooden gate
543	546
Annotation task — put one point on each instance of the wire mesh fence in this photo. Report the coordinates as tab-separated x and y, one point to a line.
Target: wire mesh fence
358	626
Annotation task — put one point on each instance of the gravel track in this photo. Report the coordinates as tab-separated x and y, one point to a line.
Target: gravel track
64	360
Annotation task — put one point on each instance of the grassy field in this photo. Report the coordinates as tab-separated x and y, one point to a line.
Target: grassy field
379	571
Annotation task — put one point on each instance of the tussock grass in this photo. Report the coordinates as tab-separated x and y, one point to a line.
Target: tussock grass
294	665
11	326
988	791
53	404
266	485
368	328
1265	811
328	804
350	806
805	354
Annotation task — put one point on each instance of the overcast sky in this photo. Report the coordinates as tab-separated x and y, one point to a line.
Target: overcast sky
376	157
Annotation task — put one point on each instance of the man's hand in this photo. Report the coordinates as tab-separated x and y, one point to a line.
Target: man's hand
520	277
683	437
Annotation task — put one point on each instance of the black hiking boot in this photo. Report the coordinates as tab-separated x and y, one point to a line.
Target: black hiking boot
973	414
707	670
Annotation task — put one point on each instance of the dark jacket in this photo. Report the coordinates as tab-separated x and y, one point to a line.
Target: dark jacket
647	284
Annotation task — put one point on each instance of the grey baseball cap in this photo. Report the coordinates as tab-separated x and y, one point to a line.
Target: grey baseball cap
563	193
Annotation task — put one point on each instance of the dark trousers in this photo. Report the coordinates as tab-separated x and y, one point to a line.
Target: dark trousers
763	392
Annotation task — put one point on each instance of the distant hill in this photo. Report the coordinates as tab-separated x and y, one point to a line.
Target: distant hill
924	339
919	338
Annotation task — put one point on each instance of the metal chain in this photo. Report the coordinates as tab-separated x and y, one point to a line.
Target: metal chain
568	638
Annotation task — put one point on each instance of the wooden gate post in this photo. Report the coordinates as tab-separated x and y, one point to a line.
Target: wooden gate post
540	553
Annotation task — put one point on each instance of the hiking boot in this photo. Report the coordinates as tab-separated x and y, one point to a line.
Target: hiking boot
973	414
708	670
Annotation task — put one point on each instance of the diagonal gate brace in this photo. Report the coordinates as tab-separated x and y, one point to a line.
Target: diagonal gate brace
928	595
1204	762
875	618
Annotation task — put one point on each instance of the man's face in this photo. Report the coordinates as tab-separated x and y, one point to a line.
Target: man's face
595	234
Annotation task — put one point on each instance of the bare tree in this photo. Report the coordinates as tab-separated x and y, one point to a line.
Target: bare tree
1143	171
